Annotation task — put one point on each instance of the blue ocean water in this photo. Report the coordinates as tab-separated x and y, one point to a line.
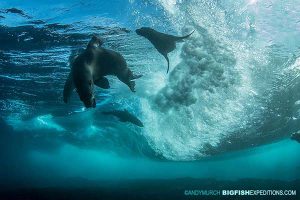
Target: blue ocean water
225	111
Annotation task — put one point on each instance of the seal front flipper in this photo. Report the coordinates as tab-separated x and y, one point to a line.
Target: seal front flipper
166	57
68	88
102	82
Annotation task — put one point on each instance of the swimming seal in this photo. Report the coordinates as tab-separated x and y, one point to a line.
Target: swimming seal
164	43
296	136
125	116
90	67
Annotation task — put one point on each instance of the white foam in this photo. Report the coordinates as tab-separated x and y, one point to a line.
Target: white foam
37	123
208	93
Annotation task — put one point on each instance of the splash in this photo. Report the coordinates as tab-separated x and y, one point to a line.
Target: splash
212	94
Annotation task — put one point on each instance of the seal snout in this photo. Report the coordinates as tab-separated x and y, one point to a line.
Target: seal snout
95	42
138	31
142	31
90	103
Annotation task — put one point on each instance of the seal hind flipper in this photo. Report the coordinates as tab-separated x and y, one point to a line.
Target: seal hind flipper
102	83
68	88
131	85
136	76
179	39
129	79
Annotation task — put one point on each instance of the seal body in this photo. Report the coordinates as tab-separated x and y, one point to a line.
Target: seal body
90	67
125	116
163	43
296	136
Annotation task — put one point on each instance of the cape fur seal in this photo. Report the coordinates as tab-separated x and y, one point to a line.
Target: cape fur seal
296	136
124	116
164	43
90	67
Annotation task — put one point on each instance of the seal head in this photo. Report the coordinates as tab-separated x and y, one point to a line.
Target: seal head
95	42
144	31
